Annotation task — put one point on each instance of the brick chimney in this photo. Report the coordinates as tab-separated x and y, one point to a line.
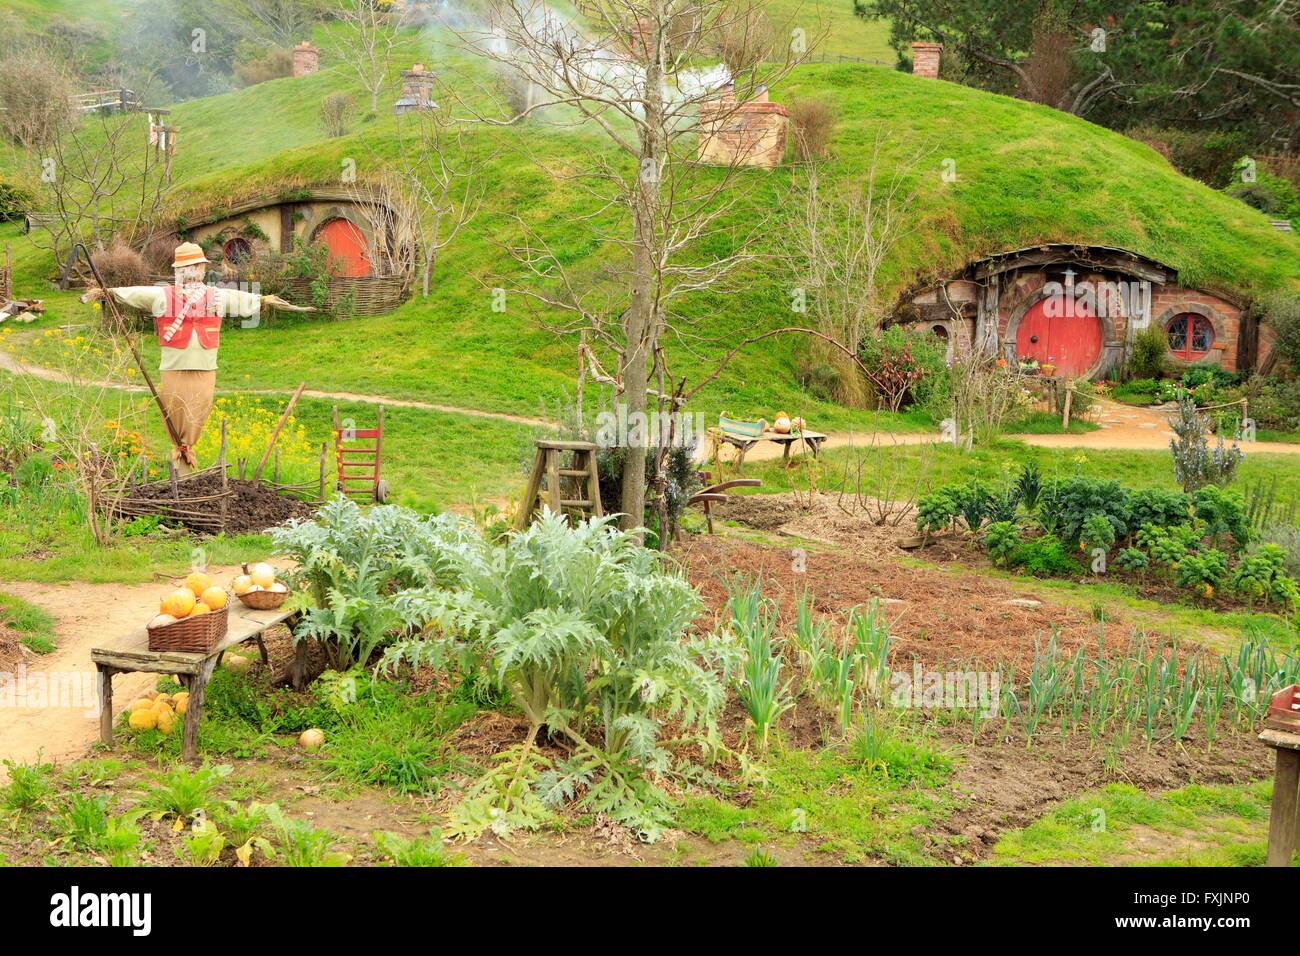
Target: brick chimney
752	133
925	60
306	59
417	90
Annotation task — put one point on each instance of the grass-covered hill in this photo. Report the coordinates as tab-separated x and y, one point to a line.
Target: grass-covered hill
1025	174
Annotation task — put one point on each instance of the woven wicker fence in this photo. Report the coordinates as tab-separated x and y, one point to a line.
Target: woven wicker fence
366	295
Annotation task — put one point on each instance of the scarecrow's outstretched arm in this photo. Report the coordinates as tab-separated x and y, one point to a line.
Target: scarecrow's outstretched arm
151	298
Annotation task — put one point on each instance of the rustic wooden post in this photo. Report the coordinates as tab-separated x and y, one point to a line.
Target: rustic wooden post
105	676
225	480
321	493
1065	417
1282	816
171	473
275	469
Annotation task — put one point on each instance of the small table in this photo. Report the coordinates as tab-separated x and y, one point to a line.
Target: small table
743	443
1286	782
131	654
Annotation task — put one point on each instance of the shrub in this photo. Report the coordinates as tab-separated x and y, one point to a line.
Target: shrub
1147	356
1003	541
1046	557
1223	513
1096	532
681	472
1281	313
120	265
1081	497
905	363
973	504
812	121
1132	560
1029	483
1205	155
1275	402
1261	575
936	511
1286	537
272	65
1271	195
15	198
1195	465
337	111
36	96
1159	506
1202	572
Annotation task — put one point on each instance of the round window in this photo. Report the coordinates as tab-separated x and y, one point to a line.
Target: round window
1190	336
237	251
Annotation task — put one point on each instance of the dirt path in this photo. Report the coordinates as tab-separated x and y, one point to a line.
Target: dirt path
1122	426
10	364
85	615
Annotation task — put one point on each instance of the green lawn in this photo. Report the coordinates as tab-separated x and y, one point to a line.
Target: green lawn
1119	825
34	625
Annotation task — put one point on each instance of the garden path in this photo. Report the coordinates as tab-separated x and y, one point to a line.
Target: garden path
84	615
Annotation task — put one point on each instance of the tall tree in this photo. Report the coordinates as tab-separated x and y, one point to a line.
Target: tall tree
632	76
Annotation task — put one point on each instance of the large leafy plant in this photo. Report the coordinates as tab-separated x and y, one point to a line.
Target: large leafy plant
584	628
358	570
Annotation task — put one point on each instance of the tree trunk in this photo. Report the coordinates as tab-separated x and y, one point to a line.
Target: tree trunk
640	325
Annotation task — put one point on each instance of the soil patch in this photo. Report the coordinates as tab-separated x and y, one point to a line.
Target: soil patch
251	507
937	616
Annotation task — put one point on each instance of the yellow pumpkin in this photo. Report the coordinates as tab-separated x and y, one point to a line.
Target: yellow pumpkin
165	720
200	608
181	701
198	582
180	603
311	739
146	719
144	703
242	584
214	598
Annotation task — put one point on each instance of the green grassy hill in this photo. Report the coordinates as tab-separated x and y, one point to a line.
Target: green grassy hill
1025	174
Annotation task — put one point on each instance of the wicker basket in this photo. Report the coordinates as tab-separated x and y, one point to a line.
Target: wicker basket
263	600
194	635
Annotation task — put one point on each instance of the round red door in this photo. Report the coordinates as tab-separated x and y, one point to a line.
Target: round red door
348	254
1071	342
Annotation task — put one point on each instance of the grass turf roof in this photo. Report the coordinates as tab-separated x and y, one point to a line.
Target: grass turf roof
1025	174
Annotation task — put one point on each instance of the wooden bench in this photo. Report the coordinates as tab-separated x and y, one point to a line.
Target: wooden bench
743	443
131	654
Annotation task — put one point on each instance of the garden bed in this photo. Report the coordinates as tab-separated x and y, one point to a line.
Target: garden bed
197	504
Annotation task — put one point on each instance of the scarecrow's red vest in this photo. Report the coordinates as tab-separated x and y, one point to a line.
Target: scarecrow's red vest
174	329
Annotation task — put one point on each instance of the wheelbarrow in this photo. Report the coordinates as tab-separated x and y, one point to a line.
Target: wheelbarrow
358	453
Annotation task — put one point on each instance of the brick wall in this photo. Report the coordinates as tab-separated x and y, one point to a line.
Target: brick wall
748	134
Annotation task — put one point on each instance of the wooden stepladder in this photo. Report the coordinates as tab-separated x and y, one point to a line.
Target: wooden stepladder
571	488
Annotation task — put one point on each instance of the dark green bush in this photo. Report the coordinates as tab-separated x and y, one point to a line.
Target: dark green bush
1148	354
1046	557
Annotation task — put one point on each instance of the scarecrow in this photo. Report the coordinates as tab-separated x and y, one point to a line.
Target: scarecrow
187	318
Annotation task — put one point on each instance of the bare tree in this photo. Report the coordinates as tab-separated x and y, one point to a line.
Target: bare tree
280	22
104	182
634	77
842	234
440	190
366	42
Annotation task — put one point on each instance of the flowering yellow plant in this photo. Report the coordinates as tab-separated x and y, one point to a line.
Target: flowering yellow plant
250	423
